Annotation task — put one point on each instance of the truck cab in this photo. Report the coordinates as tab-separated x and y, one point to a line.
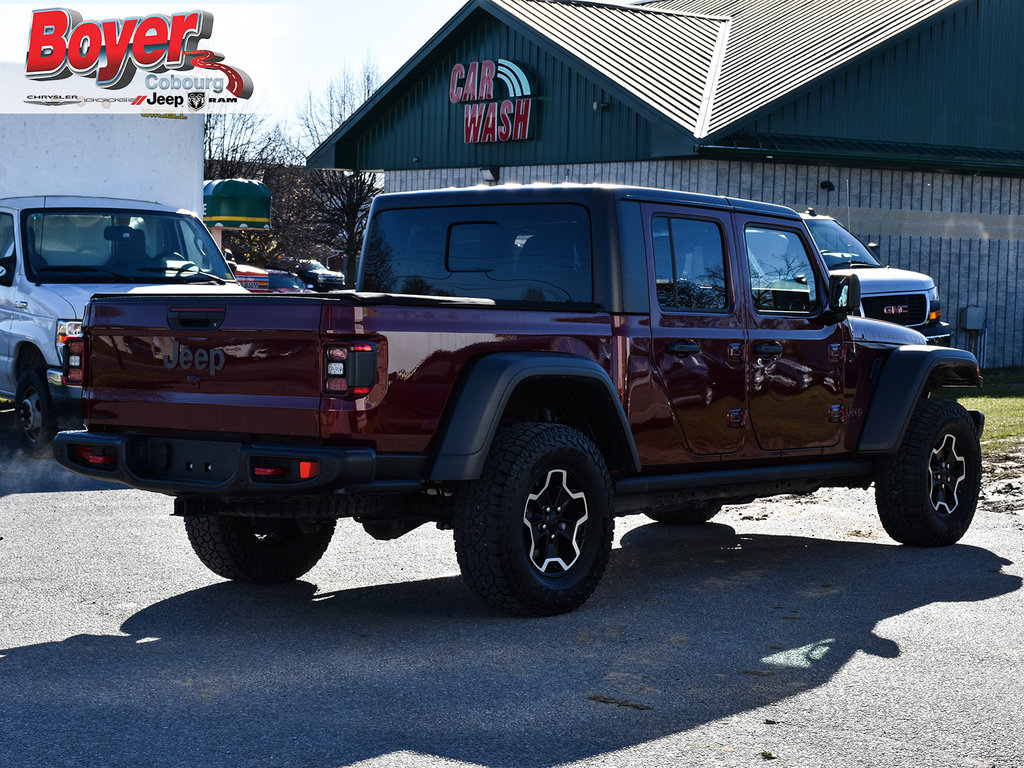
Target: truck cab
900	296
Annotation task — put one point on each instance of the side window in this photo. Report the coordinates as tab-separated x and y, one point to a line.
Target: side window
689	264
6	235
781	276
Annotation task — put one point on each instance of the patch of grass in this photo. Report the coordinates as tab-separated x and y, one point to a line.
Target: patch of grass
1002	401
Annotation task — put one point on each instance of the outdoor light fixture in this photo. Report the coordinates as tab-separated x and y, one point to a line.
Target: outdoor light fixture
490	174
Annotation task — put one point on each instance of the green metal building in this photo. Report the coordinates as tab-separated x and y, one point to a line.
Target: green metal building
903	119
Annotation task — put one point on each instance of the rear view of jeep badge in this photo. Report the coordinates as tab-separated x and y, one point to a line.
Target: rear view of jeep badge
522	365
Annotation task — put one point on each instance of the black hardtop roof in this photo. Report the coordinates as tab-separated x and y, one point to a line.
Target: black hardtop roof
591	195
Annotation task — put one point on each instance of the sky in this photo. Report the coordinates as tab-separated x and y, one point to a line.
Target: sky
285	49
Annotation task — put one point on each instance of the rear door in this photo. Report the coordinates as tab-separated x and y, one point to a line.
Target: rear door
697	325
795	356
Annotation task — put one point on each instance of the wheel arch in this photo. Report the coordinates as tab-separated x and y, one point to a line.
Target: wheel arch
26	356
908	374
531	386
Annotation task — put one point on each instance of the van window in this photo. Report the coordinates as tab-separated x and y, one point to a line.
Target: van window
532	254
689	264
119	246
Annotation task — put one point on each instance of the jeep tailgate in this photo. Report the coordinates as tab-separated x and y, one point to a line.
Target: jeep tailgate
239	365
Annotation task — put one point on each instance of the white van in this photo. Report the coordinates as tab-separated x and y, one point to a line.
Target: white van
55	253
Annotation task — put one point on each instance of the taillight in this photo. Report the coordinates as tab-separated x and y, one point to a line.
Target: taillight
350	370
74	361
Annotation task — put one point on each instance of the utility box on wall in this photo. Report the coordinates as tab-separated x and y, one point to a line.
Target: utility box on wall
972	318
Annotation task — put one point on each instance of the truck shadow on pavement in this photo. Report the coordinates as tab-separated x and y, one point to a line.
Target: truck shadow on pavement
689	625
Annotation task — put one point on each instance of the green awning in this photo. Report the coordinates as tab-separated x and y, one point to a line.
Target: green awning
236	204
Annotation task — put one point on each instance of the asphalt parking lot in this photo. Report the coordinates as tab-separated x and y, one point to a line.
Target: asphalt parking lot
789	633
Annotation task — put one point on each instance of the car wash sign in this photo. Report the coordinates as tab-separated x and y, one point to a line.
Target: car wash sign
487	117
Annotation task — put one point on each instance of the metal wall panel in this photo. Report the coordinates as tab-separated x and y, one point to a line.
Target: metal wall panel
956	83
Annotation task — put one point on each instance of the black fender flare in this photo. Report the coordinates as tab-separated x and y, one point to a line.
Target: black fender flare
486	389
910	372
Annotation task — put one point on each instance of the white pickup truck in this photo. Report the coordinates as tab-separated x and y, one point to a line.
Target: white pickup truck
55	253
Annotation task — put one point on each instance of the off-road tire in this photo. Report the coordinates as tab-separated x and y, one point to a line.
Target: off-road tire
502	534
258	550
35	417
690	515
927	492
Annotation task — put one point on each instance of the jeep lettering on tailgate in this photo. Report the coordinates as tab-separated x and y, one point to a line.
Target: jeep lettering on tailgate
185	358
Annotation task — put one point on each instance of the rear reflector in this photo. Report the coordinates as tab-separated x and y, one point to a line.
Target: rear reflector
270	471
103	457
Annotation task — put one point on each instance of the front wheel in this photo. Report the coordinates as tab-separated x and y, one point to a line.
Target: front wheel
927	491
534	533
33	408
260	550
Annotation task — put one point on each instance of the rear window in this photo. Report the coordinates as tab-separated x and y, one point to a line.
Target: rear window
533	254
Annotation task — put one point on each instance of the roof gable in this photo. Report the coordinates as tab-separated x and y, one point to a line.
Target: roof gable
666	59
778	46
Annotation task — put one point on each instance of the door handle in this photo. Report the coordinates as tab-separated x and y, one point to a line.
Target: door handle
682	348
768	349
21	305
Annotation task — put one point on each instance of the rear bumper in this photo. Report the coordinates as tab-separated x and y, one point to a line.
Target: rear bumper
227	470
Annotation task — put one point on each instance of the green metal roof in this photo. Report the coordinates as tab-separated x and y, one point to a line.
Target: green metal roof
775	47
665	59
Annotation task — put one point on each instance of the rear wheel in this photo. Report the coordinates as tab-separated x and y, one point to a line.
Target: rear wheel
33	408
260	550
927	491
533	534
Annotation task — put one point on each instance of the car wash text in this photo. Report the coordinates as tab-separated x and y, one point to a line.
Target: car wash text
487	119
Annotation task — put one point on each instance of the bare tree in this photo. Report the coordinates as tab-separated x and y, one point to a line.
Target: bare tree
317	214
319	116
241	146
341	199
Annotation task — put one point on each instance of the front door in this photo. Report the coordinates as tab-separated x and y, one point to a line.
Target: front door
795	356
7	301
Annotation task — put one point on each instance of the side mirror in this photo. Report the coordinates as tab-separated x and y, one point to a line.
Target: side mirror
7	271
843	297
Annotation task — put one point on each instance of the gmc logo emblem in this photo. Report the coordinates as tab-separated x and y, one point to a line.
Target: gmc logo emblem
901	309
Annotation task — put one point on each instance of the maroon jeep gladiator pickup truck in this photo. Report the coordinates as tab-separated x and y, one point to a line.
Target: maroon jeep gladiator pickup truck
521	365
